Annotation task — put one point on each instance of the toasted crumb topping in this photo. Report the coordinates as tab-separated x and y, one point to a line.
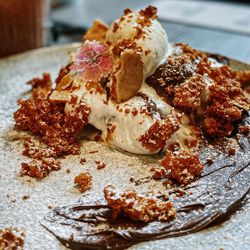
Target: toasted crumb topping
47	119
138	207
149	12
155	138
11	239
188	95
183	166
83	181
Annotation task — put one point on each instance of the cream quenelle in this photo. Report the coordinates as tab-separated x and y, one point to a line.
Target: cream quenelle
154	41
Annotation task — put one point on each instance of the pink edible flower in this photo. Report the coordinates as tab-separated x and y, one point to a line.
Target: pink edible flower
93	61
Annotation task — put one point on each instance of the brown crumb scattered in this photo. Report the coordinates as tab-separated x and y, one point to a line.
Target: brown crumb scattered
41	87
68	170
101	165
83	181
83	160
149	12
127	11
209	160
159	173
93	152
48	120
32	151
231	151
183	166
26	197
138	207
12	239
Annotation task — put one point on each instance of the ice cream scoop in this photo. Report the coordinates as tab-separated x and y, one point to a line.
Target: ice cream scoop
148	35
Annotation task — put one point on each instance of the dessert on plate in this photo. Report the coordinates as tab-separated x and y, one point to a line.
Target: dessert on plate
129	88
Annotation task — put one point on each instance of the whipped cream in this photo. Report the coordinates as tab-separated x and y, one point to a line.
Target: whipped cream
154	41
128	128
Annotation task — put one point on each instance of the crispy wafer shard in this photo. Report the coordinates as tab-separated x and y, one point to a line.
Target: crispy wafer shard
60	96
127	79
96	32
65	82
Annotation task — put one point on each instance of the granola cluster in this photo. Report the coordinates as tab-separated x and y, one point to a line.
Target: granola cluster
138	207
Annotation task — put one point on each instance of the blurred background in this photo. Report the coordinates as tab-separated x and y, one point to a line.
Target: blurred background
214	26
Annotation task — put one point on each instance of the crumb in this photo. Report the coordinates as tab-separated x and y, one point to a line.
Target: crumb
155	138
93	152
231	151
83	160
244	129
83	181
209	160
26	197
68	170
101	165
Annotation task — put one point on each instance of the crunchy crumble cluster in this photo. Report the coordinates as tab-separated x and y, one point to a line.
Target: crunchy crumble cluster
138	207
155	138
187	96
47	119
11	239
83	181
226	100
182	166
39	170
221	101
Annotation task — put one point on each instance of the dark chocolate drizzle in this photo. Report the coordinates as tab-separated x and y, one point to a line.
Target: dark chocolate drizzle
217	193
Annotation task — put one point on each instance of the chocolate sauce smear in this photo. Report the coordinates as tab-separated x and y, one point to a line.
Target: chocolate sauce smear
88	223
